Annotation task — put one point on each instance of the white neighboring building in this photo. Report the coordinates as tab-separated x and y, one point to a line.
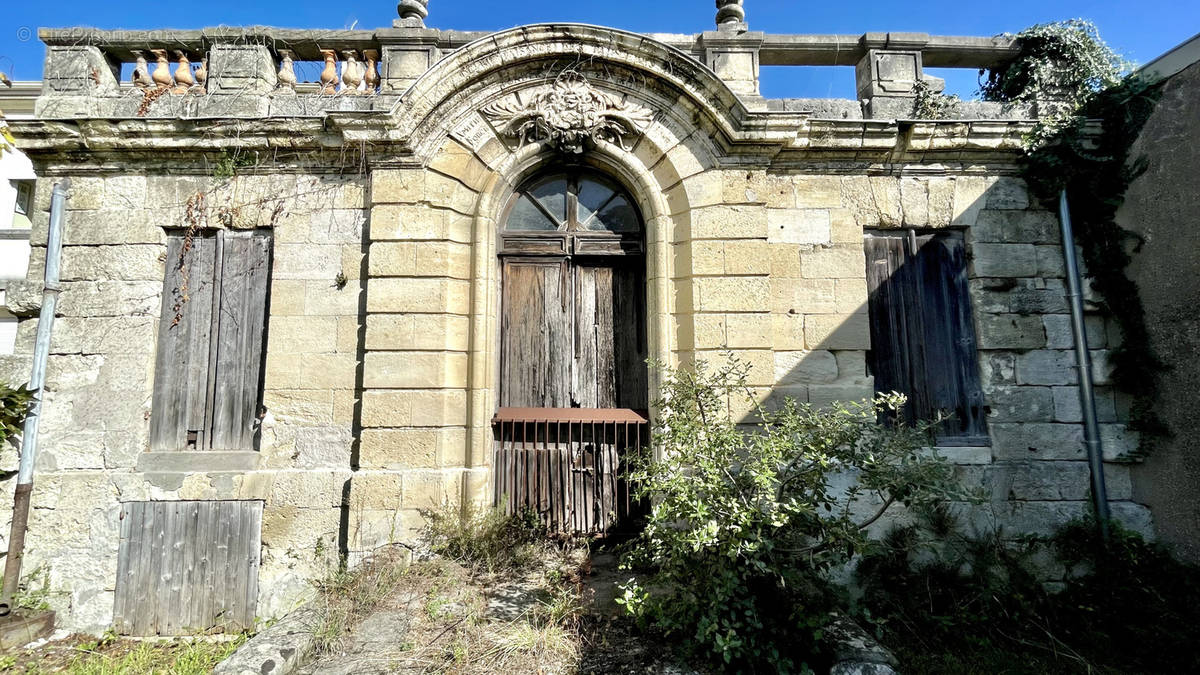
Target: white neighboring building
16	199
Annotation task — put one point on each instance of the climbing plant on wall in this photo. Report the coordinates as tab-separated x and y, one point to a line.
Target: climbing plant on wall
1083	144
14	404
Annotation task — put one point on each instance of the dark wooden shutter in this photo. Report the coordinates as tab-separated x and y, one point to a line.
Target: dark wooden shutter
210	345
922	334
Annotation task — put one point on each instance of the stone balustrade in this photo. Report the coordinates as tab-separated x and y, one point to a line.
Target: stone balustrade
263	71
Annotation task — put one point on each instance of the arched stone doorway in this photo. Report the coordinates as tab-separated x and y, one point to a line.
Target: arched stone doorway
573	378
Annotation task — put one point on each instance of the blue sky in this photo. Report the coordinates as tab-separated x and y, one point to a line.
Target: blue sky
1139	30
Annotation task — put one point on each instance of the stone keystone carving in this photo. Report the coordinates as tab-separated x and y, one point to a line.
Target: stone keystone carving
571	114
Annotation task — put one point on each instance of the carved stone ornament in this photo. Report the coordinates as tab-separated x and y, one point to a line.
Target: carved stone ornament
571	114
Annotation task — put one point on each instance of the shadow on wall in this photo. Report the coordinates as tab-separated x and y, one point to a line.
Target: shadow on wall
971	320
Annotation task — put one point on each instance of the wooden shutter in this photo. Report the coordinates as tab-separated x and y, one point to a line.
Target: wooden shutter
922	334
610	358
210	345
187	567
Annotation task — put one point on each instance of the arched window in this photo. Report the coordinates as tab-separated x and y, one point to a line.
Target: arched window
571	212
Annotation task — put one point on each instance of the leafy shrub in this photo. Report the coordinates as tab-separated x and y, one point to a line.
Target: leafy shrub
746	521
949	602
486	541
14	405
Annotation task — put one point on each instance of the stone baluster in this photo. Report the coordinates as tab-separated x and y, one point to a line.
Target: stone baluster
371	77
351	72
202	74
162	71
730	14
141	71
287	71
329	76
183	74
413	12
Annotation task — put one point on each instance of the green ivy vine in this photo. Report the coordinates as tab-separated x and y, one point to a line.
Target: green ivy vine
14	404
1068	63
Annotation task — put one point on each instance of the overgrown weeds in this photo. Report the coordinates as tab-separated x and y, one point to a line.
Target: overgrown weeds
948	601
348	595
111	655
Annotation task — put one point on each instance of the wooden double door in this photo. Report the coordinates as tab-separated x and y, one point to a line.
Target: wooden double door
573	332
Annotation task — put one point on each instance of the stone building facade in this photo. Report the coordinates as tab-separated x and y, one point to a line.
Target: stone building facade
384	207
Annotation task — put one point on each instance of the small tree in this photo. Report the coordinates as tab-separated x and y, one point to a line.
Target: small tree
745	523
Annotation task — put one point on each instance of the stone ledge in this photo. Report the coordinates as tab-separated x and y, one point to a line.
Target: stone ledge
189	462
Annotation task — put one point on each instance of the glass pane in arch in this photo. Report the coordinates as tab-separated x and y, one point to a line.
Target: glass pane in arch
618	215
526	216
592	196
552	194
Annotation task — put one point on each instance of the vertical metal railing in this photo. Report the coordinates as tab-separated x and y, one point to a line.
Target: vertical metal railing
568	465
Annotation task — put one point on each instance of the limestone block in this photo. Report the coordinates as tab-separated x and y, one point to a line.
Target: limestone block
1118	441
843	229
1008	193
837	262
787	331
757	187
417	331
445	192
729	222
458	162
748	331
109	298
99	335
108	226
1046	367
287	297
420	295
969	198
323	298
785	261
411	221
914	201
1004	260
837	331
103	263
1018	227
703	258
997	369
850	296
805	367
307	489
1036	441
241	70
1011	331
306	261
327	371
290	335
1135	517
1050	261
1067	406
414	408
818	192
940	202
79	71
431	489
411	448
1059	335
415	370
803	296
885	191
336	226
1021	404
1028	298
324	447
421	259
298	406
746	256
732	294
798	226
824	395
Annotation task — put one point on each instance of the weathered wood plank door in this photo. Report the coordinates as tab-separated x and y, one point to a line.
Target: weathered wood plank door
573	380
922	332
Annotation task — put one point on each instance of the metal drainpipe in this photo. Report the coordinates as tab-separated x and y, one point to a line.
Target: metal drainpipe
1083	362
29	435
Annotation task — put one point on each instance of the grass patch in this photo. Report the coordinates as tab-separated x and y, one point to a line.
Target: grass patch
110	655
347	596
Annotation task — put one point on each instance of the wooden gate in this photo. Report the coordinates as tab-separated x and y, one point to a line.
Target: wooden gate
569	465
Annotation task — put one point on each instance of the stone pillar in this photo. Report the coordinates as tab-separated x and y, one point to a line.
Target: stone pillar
73	78
732	53
888	73
405	60
239	78
412	13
